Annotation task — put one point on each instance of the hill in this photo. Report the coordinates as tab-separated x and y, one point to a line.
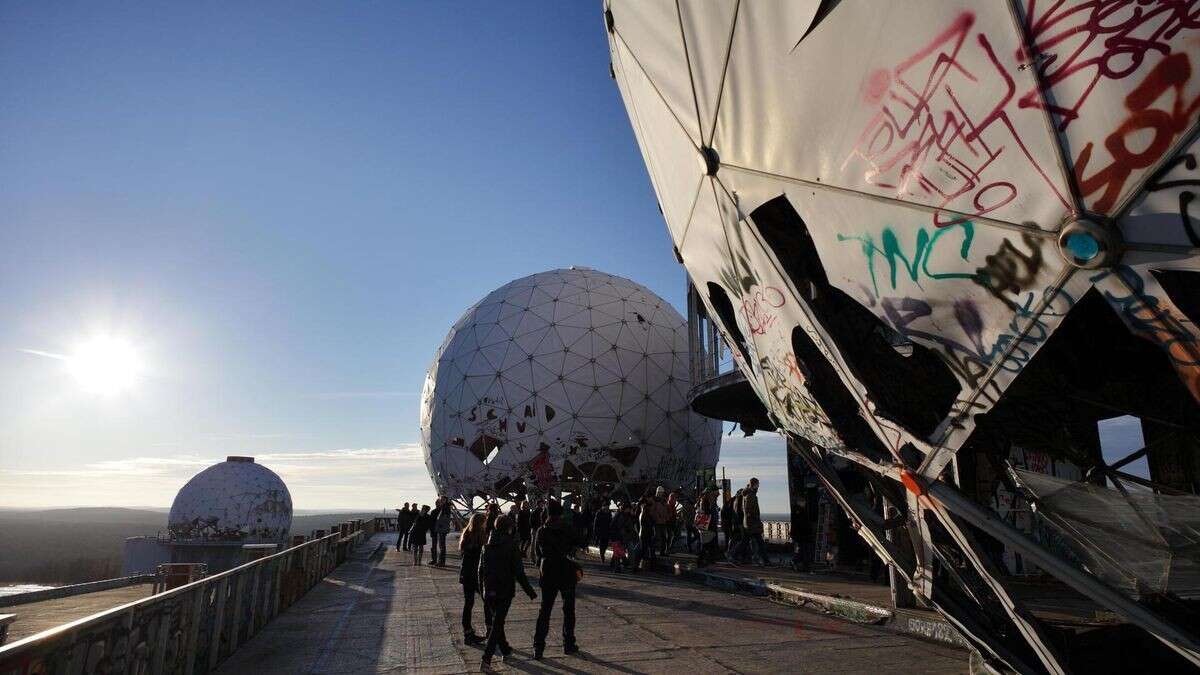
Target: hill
67	546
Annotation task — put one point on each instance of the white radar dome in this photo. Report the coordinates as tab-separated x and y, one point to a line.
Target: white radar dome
235	500
567	380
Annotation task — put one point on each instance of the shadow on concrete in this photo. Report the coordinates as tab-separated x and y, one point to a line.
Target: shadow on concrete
699	607
527	664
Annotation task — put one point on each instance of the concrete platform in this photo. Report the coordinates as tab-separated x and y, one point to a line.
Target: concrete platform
35	617
380	614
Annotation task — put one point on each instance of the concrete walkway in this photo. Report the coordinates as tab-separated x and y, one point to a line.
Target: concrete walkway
35	617
381	614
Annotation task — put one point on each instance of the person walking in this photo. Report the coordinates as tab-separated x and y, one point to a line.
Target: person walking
470	546
627	531
735	551
753	534
707	515
539	521
645	520
687	517
524	527
601	526
421	526
493	512
661	514
441	528
586	523
559	576
727	519
673	524
500	570
403	522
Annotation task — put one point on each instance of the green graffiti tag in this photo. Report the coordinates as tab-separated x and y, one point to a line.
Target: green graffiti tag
917	263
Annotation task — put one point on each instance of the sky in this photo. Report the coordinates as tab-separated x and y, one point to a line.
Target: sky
278	210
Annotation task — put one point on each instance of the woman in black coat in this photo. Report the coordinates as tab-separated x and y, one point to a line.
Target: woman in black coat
500	570
470	545
421	526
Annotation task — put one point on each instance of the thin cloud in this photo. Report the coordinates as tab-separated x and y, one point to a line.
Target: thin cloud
346	478
49	355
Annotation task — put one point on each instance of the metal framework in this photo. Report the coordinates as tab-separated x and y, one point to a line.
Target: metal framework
932	251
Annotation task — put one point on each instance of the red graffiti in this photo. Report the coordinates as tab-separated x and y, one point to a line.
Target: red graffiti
1170	75
793	368
543	471
923	139
1080	44
757	307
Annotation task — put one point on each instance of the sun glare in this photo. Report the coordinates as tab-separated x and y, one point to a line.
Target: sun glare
105	365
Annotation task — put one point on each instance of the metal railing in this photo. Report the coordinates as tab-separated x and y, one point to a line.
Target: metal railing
189	629
777	531
709	356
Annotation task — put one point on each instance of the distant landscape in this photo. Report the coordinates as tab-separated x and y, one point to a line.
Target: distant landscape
69	546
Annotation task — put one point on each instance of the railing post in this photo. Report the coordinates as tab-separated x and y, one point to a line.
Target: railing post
277	596
235	626
252	603
162	639
218	624
197	609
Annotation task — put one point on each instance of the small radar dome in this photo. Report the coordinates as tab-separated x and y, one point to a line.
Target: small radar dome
235	500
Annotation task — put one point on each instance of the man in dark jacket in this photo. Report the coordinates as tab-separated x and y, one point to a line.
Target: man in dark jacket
442	512
645	521
500	570
524	527
601	526
736	549
752	524
556	544
403	522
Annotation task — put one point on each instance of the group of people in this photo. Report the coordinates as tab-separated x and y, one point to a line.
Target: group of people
495	545
650	527
418	526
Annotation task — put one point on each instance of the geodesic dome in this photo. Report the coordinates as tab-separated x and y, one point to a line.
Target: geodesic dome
930	230
563	380
237	501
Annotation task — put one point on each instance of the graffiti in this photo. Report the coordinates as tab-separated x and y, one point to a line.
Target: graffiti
915	264
1169	76
1157	320
1076	45
1157	183
1011	349
789	394
675	469
922	141
757	306
1011	271
543	472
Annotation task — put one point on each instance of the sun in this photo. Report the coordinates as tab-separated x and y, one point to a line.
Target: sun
105	365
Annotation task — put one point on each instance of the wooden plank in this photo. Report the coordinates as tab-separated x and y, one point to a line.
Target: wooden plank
193	635
162	640
235	627
214	646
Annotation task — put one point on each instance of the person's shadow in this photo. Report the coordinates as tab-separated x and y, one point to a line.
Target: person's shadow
527	664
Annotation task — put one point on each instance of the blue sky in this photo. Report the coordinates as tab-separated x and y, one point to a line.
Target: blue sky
283	207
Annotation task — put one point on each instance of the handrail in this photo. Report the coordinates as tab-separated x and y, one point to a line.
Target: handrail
187	629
